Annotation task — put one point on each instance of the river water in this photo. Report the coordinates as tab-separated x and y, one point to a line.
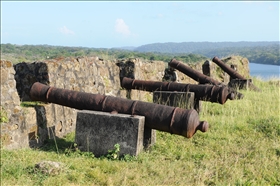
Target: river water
265	72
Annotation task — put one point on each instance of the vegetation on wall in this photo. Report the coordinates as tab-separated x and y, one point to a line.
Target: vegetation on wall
3	115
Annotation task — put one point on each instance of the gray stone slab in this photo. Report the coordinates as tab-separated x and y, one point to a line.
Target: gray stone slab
176	99
206	70
98	132
240	83
149	137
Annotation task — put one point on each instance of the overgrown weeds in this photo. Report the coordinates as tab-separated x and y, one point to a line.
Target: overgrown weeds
3	115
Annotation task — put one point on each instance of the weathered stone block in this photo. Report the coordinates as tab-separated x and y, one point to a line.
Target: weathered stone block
98	132
176	99
240	83
206	68
184	100
149	137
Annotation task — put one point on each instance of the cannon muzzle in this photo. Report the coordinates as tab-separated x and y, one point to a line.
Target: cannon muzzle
160	117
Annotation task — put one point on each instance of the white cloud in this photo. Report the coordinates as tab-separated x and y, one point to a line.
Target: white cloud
122	28
160	16
271	8
66	31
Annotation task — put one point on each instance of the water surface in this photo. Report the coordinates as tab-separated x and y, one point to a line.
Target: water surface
263	71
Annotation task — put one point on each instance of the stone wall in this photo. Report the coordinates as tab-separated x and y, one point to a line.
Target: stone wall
29	124
13	120
32	124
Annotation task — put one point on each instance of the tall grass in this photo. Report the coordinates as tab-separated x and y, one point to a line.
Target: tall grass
242	147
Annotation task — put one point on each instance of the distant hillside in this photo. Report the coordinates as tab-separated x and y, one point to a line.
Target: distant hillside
190	47
191	52
125	48
256	52
30	53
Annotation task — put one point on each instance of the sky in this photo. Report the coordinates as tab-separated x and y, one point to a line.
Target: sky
109	24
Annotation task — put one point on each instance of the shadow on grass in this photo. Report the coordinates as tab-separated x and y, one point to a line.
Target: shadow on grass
59	145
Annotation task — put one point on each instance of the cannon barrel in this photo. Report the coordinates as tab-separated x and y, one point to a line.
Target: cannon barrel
199	77
195	75
233	74
212	93
160	117
227	69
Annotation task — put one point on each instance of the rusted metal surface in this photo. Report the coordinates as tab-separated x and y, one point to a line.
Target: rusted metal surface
232	73
201	78
160	117
195	75
212	93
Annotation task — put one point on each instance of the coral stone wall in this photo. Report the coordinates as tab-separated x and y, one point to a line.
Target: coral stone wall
13	121
31	125
81	74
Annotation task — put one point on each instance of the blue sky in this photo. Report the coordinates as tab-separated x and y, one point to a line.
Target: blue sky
107	24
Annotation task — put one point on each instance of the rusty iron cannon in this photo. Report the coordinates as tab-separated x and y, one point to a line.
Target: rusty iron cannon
199	77
232	73
160	117
210	93
195	75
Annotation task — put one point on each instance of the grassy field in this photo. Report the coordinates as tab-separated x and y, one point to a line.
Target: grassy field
242	147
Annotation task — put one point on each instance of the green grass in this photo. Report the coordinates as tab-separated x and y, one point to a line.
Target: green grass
32	103
242	147
3	115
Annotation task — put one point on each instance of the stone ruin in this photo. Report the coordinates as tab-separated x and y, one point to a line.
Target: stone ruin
31	125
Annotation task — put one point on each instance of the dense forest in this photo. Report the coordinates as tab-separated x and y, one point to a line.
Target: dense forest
188	52
31	53
256	52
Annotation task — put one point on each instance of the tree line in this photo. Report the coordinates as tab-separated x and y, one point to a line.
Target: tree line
31	53
256	52
263	54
